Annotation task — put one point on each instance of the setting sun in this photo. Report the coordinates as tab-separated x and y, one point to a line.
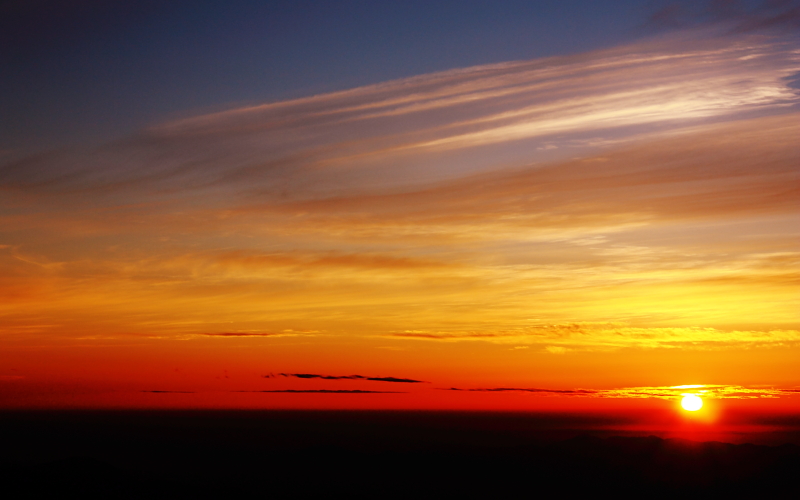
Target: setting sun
690	402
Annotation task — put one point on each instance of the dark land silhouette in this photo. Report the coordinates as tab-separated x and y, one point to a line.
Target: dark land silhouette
284	454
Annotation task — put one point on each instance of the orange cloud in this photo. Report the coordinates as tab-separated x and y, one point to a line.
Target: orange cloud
664	392
563	338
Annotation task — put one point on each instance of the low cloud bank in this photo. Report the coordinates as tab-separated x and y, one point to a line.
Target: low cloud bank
658	392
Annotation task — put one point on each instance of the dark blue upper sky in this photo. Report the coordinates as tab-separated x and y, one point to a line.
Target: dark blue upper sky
88	70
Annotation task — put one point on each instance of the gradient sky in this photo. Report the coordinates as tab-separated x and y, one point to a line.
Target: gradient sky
511	205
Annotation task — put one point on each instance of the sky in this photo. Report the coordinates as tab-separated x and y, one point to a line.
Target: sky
417	205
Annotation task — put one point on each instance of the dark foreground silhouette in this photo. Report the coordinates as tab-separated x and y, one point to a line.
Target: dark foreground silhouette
368	454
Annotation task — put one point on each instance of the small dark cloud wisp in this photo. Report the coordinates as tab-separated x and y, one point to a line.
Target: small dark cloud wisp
573	392
241	334
347	377
329	391
769	15
170	392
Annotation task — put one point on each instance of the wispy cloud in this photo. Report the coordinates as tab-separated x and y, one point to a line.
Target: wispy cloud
563	338
171	392
730	16
699	174
706	391
660	392
328	391
244	334
638	197
347	377
361	137
561	392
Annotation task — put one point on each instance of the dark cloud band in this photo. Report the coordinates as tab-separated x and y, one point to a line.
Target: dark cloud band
328	391
348	377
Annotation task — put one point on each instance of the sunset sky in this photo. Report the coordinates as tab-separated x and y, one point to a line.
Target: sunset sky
450	205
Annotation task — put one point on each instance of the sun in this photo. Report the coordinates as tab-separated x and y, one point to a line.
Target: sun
690	402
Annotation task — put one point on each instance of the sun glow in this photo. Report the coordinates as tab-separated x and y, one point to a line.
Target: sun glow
690	402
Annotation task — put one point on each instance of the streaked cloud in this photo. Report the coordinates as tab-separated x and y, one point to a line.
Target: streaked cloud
346	377
705	391
662	392
564	338
729	16
385	135
560	392
245	334
642	197
327	391
170	392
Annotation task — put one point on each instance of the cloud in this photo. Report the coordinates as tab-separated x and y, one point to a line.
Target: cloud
646	193
449	335
171	392
256	260
706	391
387	134
731	171
569	392
244	334
731	15
329	391
562	338
348	377
660	392
284	333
